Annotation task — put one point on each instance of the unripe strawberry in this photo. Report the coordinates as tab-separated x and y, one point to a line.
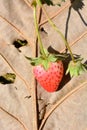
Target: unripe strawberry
49	79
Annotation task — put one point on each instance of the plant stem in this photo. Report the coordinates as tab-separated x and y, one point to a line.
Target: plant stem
38	34
59	32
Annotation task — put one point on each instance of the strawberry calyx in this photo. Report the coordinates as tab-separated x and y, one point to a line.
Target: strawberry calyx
45	61
76	68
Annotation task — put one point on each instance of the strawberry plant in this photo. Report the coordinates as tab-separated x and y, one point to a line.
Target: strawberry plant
51	34
49	68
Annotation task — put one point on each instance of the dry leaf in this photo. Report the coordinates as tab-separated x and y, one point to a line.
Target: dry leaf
18	100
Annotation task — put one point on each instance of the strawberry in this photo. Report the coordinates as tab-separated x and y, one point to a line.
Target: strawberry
48	70
49	79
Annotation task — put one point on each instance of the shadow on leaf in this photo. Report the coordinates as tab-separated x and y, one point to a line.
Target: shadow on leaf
76	5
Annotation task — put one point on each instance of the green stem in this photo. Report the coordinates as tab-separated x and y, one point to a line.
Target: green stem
38	34
55	28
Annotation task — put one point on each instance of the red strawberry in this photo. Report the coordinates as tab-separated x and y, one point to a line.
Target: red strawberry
48	70
49	79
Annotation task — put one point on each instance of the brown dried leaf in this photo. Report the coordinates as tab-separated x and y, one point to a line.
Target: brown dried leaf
18	101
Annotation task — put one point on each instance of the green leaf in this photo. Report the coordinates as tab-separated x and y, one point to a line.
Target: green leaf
7	78
52	58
